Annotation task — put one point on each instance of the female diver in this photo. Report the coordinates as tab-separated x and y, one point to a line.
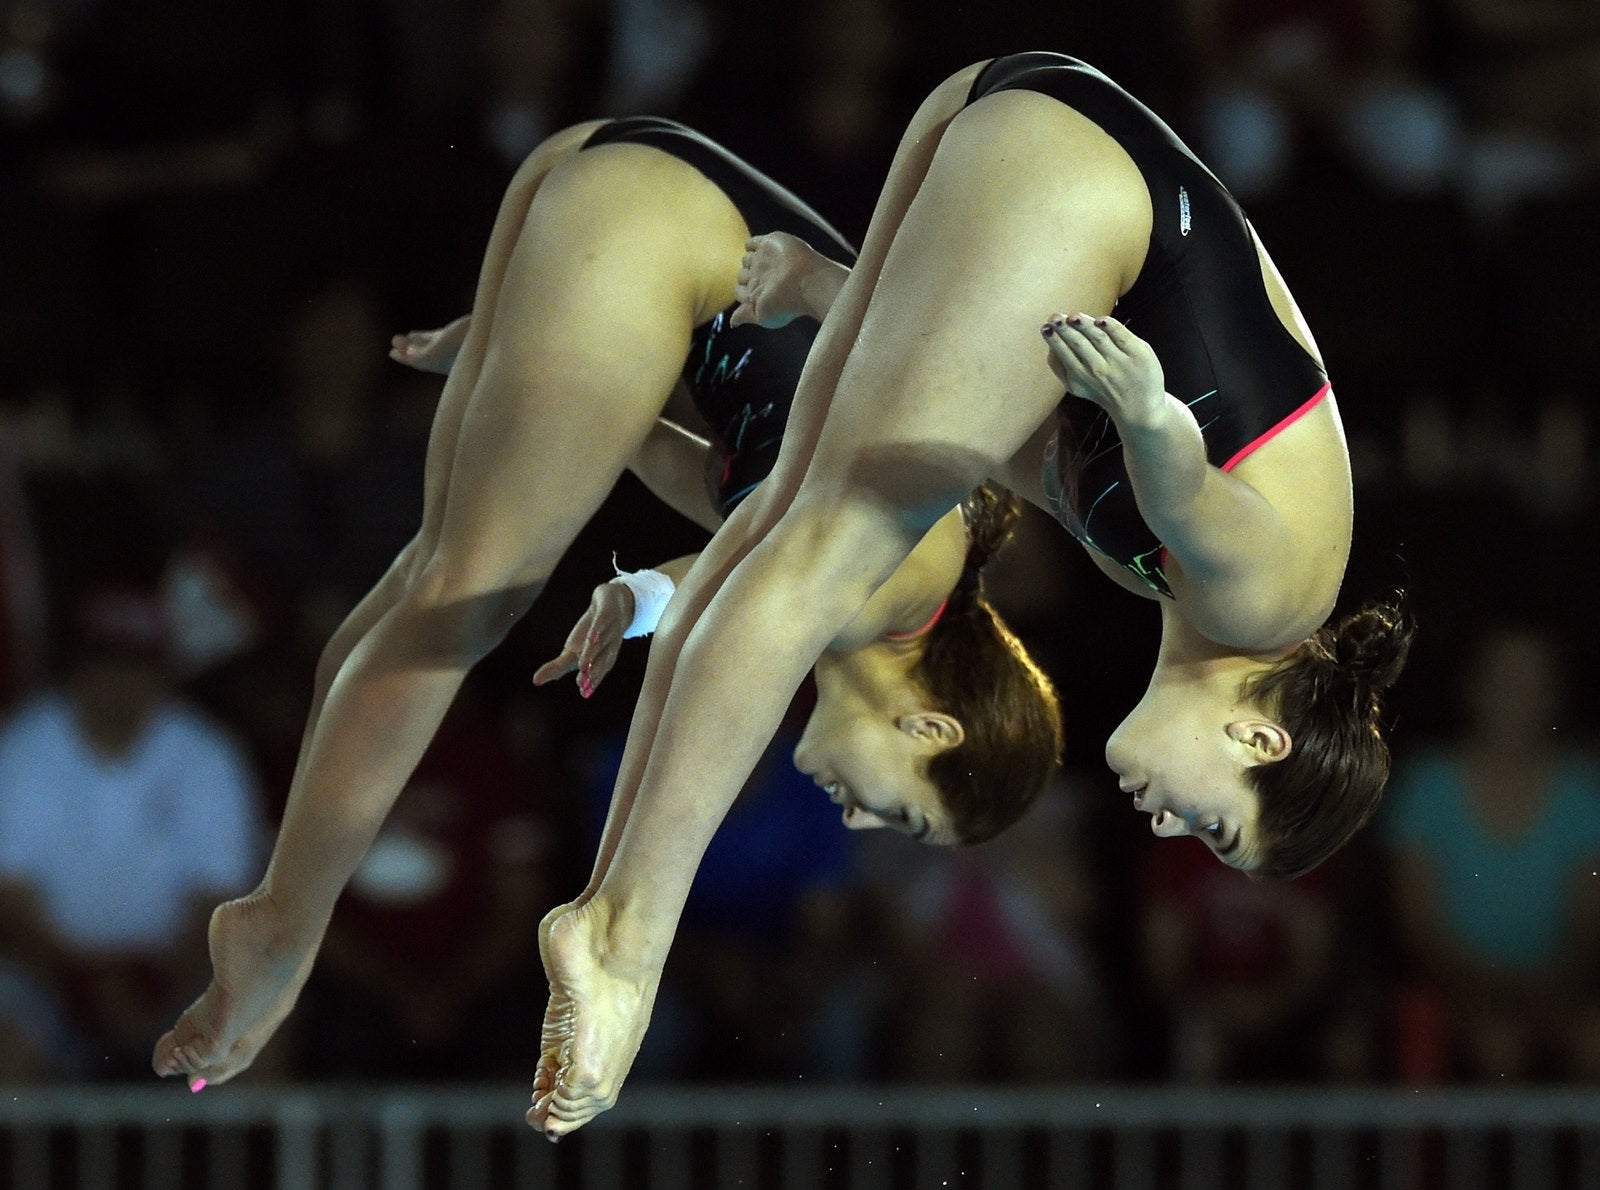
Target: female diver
1201	459
606	288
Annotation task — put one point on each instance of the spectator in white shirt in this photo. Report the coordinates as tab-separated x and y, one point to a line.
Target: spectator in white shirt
124	814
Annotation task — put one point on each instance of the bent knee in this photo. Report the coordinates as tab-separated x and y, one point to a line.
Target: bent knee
459	612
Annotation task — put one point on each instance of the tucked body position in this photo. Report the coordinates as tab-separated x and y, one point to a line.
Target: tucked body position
1199	455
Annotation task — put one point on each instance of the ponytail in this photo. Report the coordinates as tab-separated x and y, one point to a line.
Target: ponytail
1328	695
975	669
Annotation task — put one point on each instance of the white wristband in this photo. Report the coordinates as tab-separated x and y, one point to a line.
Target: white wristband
652	591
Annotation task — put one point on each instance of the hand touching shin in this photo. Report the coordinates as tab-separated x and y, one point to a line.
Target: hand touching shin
1104	362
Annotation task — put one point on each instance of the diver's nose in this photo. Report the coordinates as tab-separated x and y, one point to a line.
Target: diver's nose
1165	824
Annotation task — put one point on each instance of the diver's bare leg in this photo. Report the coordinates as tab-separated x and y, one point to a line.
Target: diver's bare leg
554	410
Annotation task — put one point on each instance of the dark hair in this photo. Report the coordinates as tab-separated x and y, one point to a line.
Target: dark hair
1327	696
975	669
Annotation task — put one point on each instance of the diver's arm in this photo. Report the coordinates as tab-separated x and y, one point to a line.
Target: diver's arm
1223	533
671	462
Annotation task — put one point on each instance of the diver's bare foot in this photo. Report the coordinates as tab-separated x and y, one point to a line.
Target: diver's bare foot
431	351
258	970
600	1002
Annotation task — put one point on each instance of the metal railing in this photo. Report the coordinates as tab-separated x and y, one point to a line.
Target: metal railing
853	1138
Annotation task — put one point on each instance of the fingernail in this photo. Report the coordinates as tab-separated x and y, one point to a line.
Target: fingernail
1047	330
585	687
197	1086
594	638
1099	321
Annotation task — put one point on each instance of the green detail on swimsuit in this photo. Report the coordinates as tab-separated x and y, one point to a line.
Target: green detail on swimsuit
1147	566
724	371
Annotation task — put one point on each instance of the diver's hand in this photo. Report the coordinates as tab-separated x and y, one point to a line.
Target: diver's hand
431	351
783	278
595	640
1104	362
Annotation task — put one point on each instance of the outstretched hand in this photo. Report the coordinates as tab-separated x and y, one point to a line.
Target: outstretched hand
595	640
1104	362
771	286
431	351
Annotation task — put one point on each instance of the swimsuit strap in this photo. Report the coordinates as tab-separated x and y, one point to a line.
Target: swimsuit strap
926	628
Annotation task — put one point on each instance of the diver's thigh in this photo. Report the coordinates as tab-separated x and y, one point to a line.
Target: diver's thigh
592	327
1026	210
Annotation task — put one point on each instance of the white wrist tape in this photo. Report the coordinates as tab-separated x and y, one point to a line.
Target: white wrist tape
652	590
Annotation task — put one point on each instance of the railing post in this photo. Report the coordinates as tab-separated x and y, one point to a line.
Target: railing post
802	1159
1267	1158
400	1126
1067	1157
738	1155
97	1157
1333	1160
1532	1159
1133	1159
30	1157
297	1120
1001	1157
162	1158
1200	1158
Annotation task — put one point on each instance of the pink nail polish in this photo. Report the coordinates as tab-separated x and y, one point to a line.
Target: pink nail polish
197	1086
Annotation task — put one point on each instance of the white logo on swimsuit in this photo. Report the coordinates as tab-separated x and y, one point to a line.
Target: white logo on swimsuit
1183	211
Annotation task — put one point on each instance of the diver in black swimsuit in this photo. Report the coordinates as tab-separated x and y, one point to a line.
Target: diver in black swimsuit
1021	186
607	288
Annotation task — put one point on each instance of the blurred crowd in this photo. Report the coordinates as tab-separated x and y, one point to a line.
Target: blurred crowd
213	217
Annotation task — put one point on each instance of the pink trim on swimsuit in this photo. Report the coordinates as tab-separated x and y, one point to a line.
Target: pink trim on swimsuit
926	628
1264	439
1279	428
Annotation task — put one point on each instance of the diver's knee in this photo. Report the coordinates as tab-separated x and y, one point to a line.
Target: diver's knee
461	612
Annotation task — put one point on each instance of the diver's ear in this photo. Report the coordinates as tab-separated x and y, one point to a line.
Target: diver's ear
934	727
1266	742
